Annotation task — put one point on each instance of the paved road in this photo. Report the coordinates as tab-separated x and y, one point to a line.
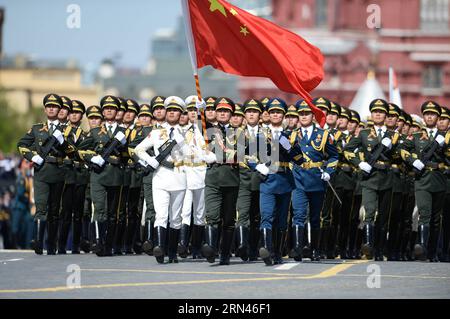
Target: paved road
26	275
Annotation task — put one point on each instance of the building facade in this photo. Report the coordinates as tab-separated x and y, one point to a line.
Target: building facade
358	36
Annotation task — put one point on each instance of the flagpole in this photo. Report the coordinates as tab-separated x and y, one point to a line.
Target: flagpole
193	57
391	85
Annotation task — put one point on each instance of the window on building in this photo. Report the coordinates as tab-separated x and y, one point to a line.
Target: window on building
321	13
432	77
434	14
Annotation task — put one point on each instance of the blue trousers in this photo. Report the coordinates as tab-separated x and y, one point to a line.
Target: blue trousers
274	207
300	201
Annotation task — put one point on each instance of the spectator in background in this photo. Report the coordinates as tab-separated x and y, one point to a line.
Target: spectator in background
5	218
21	208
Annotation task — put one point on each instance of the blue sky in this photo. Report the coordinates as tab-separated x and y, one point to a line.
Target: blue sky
107	27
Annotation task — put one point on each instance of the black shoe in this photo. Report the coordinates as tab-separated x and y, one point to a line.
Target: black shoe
85	246
420	249
75	249
224	259
197	234
315	253
367	247
225	245
147	245
173	243
51	237
280	240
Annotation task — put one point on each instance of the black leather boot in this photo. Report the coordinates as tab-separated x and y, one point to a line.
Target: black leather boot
242	241
110	227
147	246
379	240
173	244
315	252
420	249
197	236
324	237
160	240
52	228
306	241
265	252
85	241
253	243
76	236
40	226
184	241
137	241
209	248
404	240
225	247
432	245
279	246
130	233
367	247
100	237
297	242
119	238
62	237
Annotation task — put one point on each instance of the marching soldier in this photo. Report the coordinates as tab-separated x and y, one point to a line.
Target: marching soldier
102	149
121	112
311	171
72	208
169	178
265	117
94	118
210	111
131	195
63	113
221	184
291	118
424	151
141	179
237	118
344	184
328	229
396	170
158	113
249	181
444	125
195	170
355	231
276	188
377	145
44	145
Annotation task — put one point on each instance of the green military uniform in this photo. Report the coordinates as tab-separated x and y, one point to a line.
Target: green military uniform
88	229
77	177
249	180
49	174
377	183
106	182
445	257
328	229
430	183
221	190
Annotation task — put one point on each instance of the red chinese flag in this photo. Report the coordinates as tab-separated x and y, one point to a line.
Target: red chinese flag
235	41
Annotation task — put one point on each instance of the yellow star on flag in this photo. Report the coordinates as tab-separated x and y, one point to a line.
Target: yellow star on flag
233	12
216	5
244	31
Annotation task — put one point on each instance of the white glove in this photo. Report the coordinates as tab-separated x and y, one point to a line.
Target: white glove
387	142
285	143
418	164
200	104
263	169
209	157
365	167
120	137
143	163
37	159
440	140
325	176
97	159
179	139
152	162
57	134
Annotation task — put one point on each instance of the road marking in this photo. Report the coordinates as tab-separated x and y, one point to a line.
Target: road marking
287	266
333	271
190	272
324	274
7	260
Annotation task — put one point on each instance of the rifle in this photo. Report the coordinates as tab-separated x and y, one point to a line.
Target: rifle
379	150
110	148
45	150
426	155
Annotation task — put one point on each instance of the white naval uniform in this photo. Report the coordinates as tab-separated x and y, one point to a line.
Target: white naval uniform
195	169
169	185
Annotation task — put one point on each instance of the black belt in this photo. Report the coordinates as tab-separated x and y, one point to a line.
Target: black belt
432	165
54	160
380	166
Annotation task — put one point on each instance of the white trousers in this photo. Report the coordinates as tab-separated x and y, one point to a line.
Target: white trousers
195	198
168	205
